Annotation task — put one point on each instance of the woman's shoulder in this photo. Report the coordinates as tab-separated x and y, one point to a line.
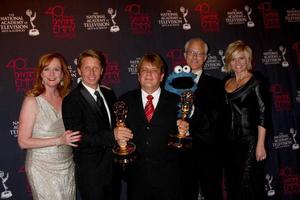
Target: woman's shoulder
29	104
31	100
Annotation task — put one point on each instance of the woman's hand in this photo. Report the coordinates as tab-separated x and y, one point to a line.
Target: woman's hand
260	152
69	138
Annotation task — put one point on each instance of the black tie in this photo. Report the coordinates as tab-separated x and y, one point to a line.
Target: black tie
101	105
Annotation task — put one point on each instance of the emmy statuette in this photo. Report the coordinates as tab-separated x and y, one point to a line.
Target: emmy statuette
181	139
124	151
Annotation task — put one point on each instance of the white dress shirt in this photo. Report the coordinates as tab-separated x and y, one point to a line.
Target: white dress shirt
92	91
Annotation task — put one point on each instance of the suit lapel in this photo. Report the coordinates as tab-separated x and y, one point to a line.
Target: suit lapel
161	105
139	109
91	101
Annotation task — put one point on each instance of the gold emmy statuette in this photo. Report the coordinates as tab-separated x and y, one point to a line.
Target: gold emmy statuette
181	140
124	151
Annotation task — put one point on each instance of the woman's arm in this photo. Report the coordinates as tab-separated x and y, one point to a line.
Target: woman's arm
26	123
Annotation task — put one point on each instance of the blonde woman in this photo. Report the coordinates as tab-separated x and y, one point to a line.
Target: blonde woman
246	138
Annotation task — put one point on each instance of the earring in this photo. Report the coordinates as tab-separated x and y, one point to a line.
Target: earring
43	83
61	83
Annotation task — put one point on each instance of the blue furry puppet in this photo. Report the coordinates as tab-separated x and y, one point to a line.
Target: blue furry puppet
181	80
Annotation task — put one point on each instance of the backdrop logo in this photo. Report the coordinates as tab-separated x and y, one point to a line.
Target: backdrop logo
112	72
268	186
222	57
296	47
6	193
140	23
15	127
284	62
271	57
33	31
291	181
235	17
13	24
23	76
62	26
292	15
169	19
281	98
73	72
132	69
22	171
293	132
209	19
271	17
248	10
281	141
96	22
176	57
113	13
213	62
185	12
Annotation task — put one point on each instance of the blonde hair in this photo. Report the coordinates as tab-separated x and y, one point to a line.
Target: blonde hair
154	59
237	47
38	87
91	53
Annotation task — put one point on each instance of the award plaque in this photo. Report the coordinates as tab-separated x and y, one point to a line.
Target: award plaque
181	139
124	151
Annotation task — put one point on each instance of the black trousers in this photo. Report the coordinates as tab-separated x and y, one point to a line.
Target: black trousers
201	169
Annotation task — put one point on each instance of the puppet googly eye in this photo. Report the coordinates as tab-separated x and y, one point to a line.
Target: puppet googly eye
178	69
186	69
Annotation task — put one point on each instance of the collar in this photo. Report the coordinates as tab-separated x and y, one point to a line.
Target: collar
92	90
155	95
198	74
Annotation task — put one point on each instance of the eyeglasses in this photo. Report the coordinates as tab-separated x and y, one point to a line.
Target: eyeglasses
195	53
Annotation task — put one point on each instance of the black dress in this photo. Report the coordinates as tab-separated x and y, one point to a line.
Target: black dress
244	176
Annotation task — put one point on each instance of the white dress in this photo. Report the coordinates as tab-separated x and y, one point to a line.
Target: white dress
50	170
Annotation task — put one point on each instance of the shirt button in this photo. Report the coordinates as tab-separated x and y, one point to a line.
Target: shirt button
147	142
147	128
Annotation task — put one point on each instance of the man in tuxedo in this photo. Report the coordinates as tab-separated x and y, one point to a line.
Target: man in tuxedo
152	117
205	125
88	109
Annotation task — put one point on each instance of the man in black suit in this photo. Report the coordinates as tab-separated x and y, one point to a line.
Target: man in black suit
154	175
205	156
88	109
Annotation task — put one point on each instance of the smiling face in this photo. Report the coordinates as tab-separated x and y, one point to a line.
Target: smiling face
52	73
195	54
239	62
90	71
150	77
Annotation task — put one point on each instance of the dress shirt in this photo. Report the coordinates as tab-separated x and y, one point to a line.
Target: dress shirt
92	91
155	95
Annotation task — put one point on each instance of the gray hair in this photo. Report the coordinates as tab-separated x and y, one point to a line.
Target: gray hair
196	40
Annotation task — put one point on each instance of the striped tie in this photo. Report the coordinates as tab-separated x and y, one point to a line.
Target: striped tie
149	108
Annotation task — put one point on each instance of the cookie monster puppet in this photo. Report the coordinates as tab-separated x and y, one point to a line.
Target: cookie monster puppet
181	80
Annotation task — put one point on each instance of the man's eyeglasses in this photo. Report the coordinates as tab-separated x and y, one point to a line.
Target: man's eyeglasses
195	53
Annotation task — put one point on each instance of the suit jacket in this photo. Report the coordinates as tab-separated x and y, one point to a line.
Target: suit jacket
93	157
209	102
155	164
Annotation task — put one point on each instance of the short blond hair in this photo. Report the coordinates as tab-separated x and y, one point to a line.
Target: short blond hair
91	53
236	47
154	59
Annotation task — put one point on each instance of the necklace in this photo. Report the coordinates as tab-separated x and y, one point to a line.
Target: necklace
240	82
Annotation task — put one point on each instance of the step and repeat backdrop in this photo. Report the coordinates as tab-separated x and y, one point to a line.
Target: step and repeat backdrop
125	30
